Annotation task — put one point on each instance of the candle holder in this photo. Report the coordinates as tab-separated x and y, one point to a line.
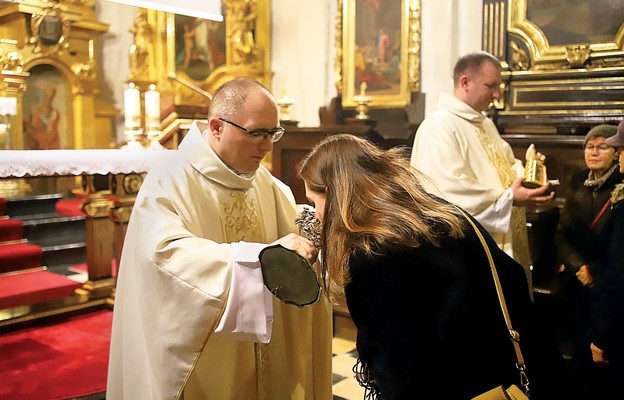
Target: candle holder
284	104
154	143
133	139
362	100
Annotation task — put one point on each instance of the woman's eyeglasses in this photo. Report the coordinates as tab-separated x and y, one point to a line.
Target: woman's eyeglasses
603	148
259	134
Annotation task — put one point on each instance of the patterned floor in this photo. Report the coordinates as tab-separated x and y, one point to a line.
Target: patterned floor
345	386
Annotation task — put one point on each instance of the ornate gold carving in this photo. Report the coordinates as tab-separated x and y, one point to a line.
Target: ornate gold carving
132	183
544	56
338	47
87	70
413	62
11	61
139	50
242	33
98	207
519	57
578	55
49	29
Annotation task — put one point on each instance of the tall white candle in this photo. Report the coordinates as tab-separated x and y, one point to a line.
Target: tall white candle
152	109
132	107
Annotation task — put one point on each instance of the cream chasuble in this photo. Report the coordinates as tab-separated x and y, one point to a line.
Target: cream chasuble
191	218
469	164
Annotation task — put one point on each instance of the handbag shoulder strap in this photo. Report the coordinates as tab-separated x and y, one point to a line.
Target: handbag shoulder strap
513	335
602	211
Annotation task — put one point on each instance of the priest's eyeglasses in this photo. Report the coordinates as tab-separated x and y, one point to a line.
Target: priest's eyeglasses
258	134
602	148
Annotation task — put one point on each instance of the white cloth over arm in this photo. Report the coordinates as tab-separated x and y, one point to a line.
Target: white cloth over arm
248	312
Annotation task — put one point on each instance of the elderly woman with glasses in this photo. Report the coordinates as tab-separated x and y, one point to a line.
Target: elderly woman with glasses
606	330
582	236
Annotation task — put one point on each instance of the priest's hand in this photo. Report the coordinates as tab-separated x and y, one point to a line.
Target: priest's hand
299	245
523	196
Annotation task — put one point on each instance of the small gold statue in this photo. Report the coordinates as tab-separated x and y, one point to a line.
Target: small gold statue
534	170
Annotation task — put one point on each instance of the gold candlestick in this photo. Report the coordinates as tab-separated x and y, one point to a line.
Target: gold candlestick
284	103
362	100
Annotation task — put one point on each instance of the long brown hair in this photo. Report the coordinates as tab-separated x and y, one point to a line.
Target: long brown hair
373	201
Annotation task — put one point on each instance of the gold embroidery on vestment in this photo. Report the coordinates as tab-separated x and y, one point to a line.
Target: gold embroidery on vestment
241	218
496	158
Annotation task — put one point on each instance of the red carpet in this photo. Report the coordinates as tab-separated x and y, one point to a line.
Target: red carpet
64	360
10	229
70	207
32	287
14	257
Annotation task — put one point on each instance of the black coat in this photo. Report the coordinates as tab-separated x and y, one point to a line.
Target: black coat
429	323
577	242
607	324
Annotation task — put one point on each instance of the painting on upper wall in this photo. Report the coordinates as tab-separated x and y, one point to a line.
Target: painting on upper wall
197	55
576	21
380	51
46	114
564	34
199	46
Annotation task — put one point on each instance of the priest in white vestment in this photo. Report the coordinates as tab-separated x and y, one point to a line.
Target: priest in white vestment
469	163
192	318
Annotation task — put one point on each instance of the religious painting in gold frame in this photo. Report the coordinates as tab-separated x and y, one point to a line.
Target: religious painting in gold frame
215	52
570	33
378	44
47	110
200	48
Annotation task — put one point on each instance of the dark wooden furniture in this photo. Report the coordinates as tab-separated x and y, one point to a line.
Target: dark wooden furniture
295	144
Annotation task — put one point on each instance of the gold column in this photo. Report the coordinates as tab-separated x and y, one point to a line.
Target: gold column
124	189
99	231
13	84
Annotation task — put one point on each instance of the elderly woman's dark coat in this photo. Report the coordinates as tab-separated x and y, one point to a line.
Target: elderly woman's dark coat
578	243
430	326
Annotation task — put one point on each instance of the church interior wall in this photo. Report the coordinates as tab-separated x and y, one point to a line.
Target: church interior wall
303	51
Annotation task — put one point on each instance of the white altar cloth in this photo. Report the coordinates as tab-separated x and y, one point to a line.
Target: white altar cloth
24	163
